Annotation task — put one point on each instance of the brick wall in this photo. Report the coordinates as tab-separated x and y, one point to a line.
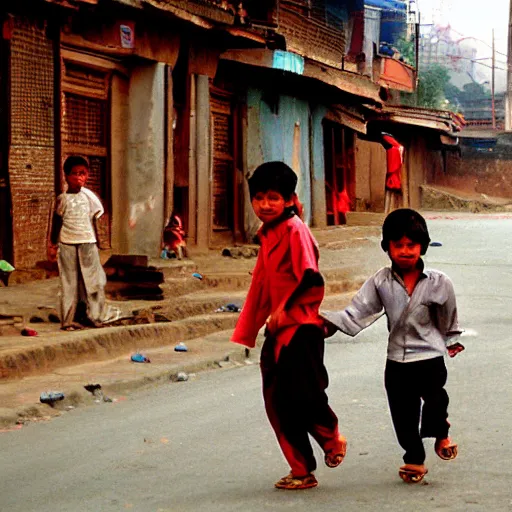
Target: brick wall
477	173
312	38
31	154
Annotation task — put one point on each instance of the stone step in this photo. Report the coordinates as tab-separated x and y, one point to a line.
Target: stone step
174	267
190	315
199	303
178	286
57	350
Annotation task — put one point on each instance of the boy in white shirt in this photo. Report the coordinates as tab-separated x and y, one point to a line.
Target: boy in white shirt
423	326
74	230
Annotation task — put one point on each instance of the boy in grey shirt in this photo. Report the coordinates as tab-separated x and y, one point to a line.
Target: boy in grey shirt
422	321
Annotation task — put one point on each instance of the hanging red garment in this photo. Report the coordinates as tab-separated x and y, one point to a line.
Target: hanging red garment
394	157
343	202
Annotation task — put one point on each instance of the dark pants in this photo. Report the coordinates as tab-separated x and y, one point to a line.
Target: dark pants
295	399
418	404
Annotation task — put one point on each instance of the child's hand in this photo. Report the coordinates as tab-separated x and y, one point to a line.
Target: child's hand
52	253
272	324
273	320
329	328
454	349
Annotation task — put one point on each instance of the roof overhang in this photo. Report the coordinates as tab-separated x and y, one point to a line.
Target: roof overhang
348	116
182	14
439	120
287	61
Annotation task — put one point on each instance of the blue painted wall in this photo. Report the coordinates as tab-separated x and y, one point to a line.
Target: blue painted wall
270	136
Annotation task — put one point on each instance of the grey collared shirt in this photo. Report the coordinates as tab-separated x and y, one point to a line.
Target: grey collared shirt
420	326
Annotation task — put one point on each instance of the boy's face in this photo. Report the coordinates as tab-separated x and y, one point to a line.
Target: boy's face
77	177
269	206
404	253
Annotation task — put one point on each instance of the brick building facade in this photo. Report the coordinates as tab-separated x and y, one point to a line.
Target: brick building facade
175	103
32	138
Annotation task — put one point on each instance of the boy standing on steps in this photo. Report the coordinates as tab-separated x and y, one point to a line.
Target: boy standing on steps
74	230
422	321
286	292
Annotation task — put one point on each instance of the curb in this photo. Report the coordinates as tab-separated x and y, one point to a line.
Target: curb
105	343
77	396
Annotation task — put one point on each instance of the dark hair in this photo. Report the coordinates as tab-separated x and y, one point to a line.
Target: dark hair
73	161
275	176
405	222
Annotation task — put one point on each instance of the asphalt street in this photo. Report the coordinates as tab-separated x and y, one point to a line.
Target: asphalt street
206	445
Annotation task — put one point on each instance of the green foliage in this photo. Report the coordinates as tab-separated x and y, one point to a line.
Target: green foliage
436	91
431	87
407	50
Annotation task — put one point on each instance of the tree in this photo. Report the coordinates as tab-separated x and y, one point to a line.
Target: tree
432	83
407	49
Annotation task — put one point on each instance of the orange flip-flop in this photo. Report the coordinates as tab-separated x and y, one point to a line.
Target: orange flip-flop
412	473
294	483
334	459
446	449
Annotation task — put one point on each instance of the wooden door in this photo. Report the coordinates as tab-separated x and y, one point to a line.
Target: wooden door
85	128
224	158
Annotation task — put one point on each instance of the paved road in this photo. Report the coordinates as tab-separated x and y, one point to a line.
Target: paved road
206	444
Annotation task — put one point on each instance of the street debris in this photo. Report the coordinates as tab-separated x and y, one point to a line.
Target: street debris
229	308
50	397
181	347
181	377
28	332
97	392
140	358
197	275
5	271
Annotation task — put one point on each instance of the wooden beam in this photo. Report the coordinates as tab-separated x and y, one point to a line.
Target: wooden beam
261	57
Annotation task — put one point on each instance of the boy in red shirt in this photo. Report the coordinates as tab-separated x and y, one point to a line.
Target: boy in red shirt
286	292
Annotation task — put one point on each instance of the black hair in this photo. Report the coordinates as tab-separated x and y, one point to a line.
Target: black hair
73	161
405	222
275	176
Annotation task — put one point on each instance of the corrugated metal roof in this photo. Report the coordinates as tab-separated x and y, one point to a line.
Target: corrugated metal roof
440	120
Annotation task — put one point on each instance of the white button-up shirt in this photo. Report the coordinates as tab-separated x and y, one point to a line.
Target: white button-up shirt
420	326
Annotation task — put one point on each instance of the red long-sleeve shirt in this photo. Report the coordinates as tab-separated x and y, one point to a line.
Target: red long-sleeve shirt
288	257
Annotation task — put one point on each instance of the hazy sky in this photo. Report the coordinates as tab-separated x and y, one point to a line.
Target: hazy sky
476	19
470	17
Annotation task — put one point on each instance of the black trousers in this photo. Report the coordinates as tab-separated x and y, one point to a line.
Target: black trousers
295	399
418	404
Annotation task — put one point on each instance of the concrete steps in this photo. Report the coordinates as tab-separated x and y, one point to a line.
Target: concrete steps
188	311
46	353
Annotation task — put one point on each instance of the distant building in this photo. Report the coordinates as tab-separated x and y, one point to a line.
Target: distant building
438	45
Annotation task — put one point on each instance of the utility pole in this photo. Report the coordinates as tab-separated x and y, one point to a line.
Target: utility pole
493	107
508	100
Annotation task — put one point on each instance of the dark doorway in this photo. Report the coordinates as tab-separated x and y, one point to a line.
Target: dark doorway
339	172
6	249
